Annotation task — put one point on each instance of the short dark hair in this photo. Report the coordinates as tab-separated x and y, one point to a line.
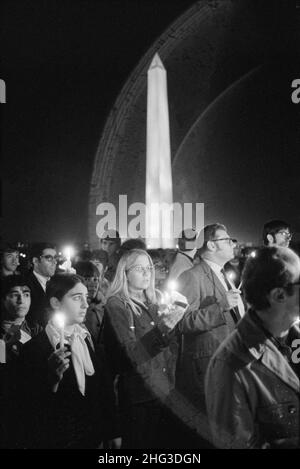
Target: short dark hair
209	232
8	248
60	284
272	227
267	270
111	235
36	249
86	269
12	281
101	256
133	243
85	255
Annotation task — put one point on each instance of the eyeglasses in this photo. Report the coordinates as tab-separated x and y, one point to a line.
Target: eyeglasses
50	258
230	240
140	269
286	234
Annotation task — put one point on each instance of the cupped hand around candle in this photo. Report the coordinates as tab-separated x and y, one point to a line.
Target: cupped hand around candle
170	316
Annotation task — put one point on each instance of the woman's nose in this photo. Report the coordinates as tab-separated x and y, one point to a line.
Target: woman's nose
85	302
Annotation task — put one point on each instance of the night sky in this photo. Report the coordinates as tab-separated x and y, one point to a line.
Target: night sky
64	64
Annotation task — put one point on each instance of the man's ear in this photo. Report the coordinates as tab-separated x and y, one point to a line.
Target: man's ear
277	295
270	239
35	261
54	303
211	246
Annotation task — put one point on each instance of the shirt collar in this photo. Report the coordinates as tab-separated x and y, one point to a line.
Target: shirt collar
189	254
41	279
215	267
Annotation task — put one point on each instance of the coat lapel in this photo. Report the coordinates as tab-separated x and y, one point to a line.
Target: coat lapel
272	359
213	279
262	348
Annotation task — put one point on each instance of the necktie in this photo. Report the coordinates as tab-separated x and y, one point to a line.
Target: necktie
234	311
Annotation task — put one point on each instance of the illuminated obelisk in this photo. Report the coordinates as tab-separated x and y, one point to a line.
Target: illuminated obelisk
159	230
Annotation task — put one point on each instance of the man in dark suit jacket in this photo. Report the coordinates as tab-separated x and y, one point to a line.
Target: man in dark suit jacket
215	308
44	260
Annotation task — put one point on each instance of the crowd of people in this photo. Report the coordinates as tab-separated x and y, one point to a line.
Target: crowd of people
136	348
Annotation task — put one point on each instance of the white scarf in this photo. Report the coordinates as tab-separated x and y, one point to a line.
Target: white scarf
75	336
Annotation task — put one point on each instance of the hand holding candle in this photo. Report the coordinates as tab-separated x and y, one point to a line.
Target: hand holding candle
172	309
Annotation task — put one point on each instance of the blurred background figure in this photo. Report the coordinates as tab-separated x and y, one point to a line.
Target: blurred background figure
277	232
185	255
160	266
99	258
110	242
9	260
96	299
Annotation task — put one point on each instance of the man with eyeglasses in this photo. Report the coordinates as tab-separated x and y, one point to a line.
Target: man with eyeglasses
43	257
215	308
252	383
277	232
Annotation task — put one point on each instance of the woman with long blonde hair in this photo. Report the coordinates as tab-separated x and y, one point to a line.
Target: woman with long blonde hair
137	335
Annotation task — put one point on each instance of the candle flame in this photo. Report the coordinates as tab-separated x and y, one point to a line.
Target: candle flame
68	252
172	285
59	320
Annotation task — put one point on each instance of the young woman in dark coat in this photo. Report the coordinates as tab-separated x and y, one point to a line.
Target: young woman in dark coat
66	391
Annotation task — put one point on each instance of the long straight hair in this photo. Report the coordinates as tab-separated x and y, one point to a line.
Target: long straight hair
119	286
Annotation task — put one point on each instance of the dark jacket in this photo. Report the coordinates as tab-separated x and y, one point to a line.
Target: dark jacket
252	392
38	312
204	326
139	352
13	335
93	321
65	419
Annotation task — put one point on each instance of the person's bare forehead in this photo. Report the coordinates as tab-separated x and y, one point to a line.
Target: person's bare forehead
49	252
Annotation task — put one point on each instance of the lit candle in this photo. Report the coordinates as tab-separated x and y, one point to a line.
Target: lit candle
172	285
68	252
166	298
59	320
